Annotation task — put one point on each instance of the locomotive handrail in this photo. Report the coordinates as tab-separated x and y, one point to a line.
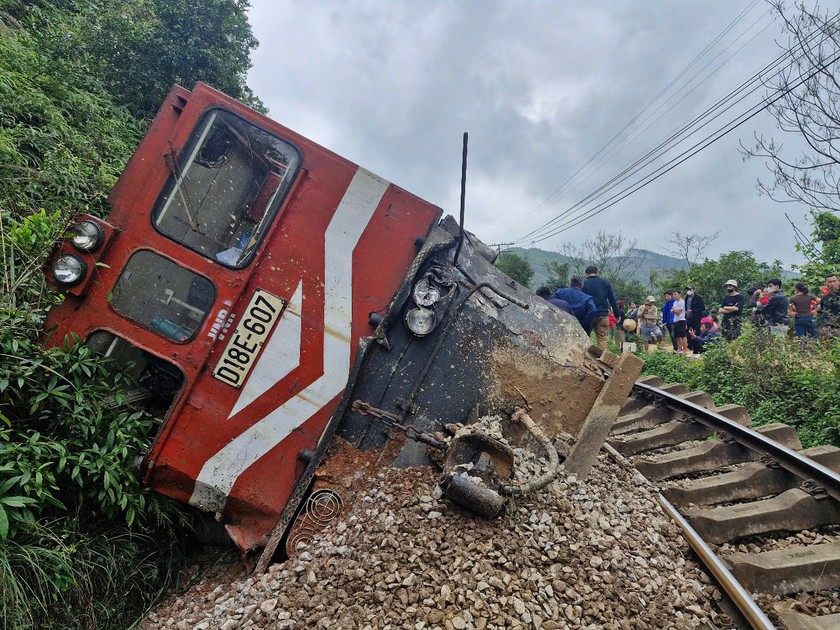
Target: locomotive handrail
787	458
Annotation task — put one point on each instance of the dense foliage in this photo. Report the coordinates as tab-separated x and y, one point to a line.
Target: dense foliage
82	543
708	277
517	268
800	386
136	49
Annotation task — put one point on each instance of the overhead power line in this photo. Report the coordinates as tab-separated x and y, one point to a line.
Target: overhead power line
620	139
712	138
725	104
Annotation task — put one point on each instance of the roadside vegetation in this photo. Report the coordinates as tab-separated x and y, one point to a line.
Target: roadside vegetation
799	387
82	544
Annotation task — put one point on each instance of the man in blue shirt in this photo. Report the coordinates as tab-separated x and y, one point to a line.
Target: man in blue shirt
563	305
668	317
582	305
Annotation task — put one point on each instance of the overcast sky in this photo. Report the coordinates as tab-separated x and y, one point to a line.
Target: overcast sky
541	87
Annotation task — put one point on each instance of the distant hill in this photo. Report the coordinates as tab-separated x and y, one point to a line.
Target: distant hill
539	258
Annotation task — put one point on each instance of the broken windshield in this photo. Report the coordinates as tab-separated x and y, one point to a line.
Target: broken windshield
226	188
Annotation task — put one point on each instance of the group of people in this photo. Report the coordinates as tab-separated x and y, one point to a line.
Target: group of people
590	300
684	316
812	316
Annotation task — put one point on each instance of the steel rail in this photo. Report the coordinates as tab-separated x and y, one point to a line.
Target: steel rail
787	458
739	596
737	593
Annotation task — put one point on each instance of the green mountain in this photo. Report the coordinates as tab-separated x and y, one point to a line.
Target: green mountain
644	261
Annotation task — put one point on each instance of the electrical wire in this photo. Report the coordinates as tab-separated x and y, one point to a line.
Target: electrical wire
725	104
600	156
712	138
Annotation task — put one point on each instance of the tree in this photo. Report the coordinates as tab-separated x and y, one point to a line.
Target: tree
822	250
137	49
708	277
516	267
803	98
615	256
690	247
558	274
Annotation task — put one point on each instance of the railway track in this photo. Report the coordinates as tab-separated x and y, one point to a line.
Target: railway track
761	513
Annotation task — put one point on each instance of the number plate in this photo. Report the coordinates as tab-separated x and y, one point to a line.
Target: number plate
253	329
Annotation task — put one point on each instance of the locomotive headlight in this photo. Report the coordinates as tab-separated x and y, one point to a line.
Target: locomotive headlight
421	321
87	236
425	293
69	270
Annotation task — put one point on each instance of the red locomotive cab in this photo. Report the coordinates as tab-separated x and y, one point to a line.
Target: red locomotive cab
236	274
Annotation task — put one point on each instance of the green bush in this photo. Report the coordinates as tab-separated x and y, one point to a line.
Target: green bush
776	380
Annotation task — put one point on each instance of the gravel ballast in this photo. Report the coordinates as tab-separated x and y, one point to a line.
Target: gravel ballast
597	553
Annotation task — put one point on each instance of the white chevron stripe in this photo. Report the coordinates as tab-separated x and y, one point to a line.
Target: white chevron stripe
280	356
221	471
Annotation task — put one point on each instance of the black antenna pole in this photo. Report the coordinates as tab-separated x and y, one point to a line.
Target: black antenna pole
463	196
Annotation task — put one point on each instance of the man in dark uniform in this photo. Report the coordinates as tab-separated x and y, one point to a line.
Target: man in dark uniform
731	307
602	292
694	307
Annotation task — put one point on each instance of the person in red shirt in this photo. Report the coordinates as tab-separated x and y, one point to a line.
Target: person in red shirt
802	306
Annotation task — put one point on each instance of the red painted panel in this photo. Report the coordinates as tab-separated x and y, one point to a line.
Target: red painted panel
198	427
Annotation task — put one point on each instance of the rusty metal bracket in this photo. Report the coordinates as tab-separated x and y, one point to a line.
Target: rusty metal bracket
392	421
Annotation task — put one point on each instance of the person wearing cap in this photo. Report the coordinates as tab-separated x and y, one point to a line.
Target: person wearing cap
731	307
648	316
694	307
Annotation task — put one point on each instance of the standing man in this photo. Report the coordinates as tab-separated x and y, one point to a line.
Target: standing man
828	311
648	315
731	308
602	292
775	312
680	328
582	305
694	307
668	317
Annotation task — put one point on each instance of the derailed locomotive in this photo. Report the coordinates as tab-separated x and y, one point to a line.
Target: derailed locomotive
282	306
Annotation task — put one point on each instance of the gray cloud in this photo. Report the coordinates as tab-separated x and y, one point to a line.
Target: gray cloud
540	86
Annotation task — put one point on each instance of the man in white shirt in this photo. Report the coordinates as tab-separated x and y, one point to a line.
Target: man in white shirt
680	331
